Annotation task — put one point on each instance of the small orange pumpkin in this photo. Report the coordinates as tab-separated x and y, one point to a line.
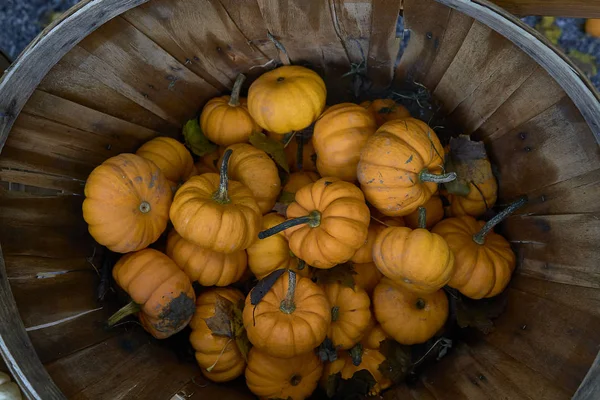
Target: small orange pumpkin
213	212
339	136
407	317
365	253
484	261
225	120
297	180
302	149
270	377
367	276
434	212
329	222
288	98
385	110
482	196
171	156
418	259
209	163
268	255
208	267
291	319
374	336
161	293
400	166
256	170
592	27
219	357
127	200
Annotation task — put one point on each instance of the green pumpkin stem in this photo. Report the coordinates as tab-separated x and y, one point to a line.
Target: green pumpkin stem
129	309
425	176
221	196
356	354
313	220
479	237
422	217
234	99
287	305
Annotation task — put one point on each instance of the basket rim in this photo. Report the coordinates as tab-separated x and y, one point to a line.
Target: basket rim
22	78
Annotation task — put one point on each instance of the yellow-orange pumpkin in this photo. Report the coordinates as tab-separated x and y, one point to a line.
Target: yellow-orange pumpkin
407	317
365	253
385	110
288	98
339	136
171	156
482	196
127	200
366	276
592	27
434	212
297	180
208	267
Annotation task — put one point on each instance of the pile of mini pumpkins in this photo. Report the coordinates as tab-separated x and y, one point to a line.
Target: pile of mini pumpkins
370	201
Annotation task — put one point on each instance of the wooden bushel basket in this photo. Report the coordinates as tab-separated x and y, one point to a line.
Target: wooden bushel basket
111	74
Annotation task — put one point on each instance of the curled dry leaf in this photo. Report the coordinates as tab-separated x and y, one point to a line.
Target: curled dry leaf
478	313
195	139
470	162
357	387
342	273
397	360
228	322
272	147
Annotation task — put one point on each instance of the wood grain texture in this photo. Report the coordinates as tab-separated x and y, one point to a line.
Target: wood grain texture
558	8
352	23
383	43
42	180
17	349
590	387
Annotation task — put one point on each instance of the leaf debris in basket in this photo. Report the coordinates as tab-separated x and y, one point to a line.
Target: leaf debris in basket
326	351
272	147
470	162
221	323
342	273
478	313
195	139
287	197
397	360
355	388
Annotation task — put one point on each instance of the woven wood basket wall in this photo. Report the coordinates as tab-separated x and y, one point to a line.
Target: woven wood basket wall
112	74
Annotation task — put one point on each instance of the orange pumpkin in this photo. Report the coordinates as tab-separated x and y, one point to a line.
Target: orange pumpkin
219	357
370	359
256	170
288	98
295	378
268	255
367	276
209	163
225	120
339	136
434	211
302	149
400	166
484	261
374	336
350	314
407	317
127	200
385	110
365	253
297	180
291	319
208	267
592	27
418	259
171	156
482	196
329	222
213	212
161	293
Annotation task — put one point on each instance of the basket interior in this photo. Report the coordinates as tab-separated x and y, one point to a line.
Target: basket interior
147	71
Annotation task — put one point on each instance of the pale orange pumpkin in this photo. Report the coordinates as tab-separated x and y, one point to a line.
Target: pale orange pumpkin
127	200
339	136
385	110
171	156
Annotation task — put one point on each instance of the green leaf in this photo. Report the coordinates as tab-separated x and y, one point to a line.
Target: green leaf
272	147
287	197
478	313
220	324
326	351
342	273
397	360
195	139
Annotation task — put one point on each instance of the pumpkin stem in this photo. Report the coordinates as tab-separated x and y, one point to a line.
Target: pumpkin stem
420	303
287	305
356	354
301	265
335	313
422	217
479	237
221	195
129	309
144	207
425	176
313	220
295	380
234	99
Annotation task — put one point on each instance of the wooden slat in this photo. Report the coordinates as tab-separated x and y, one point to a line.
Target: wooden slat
552	147
558	248
427	21
62	211
13	157
558	8
37	179
214	49
352	22
414	391
383	43
553	339
536	94
590	387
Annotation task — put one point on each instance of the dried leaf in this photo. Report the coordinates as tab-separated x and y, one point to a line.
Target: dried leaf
397	360
342	273
281	208
478	313
326	351
272	147
220	324
470	162
286	197
357	387
333	382
264	285
237	326
195	139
